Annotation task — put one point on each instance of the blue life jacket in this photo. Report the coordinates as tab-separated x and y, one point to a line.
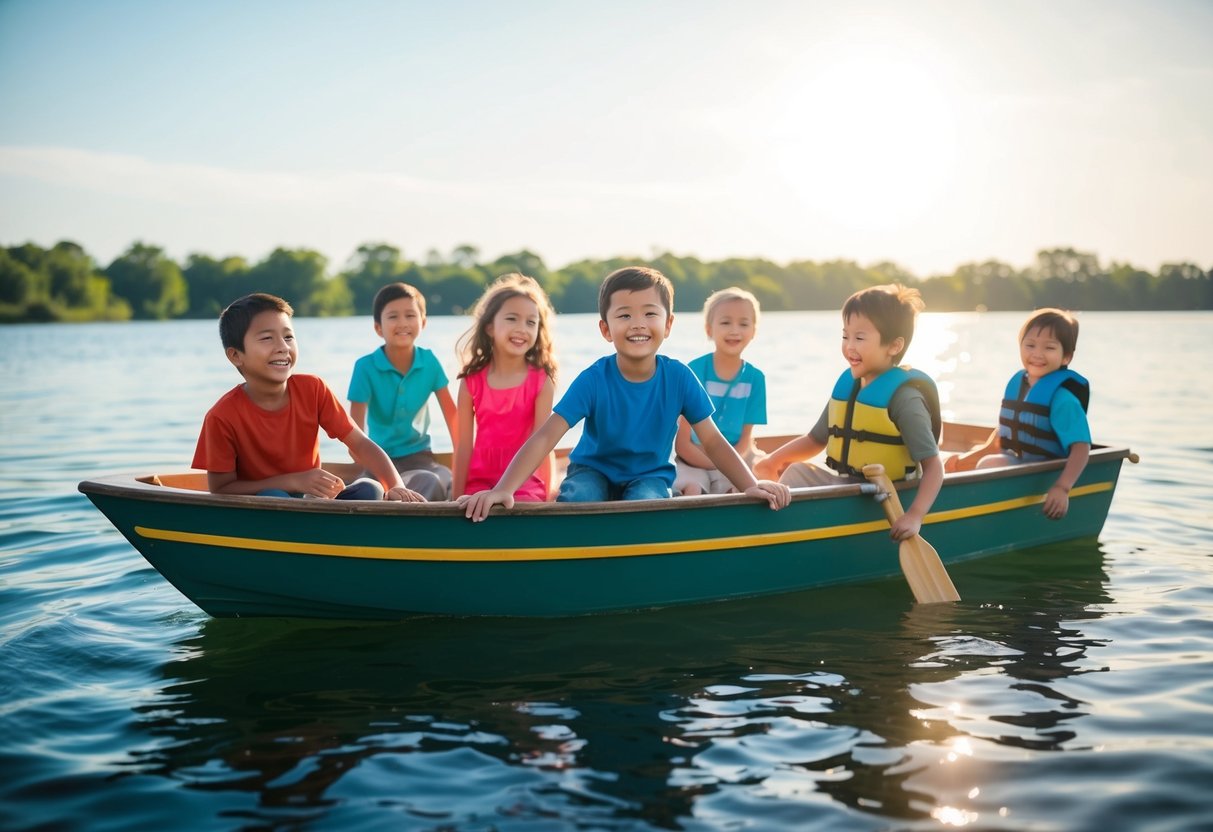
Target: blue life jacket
862	432
1023	421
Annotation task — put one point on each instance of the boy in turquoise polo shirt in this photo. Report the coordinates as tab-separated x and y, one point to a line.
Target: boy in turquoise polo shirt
391	387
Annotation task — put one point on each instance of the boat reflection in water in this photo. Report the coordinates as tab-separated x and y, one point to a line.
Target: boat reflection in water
846	703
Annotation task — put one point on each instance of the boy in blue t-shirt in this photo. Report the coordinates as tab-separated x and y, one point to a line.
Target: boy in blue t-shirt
390	390
1044	410
738	391
631	402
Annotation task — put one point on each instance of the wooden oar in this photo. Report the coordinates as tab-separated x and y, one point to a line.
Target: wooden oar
924	571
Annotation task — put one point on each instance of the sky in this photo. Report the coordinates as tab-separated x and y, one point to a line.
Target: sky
929	134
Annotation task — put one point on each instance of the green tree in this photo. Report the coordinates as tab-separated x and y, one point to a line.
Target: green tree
465	256
524	262
455	292
770	293
297	275
1185	286
1128	288
373	266
213	284
19	284
150	282
333	300
1066	265
580	290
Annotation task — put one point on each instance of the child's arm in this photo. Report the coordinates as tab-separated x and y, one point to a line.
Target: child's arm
463	437
1057	501
315	482
726	459
687	450
523	464
449	414
543	409
910	523
373	458
798	449
358	414
968	460
745	442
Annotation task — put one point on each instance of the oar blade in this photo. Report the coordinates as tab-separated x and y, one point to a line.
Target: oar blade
925	572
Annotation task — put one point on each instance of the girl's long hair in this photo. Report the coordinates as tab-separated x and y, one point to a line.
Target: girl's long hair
475	347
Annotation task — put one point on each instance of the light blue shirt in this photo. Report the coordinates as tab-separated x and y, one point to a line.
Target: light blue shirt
1068	419
397	416
740	402
629	426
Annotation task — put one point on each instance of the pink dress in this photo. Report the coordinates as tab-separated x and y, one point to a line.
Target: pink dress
505	419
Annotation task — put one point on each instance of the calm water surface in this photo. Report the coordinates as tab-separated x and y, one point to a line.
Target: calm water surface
1071	689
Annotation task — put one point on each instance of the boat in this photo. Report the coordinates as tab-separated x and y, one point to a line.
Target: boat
238	556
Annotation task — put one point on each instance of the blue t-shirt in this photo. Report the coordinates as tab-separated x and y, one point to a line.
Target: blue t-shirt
397	416
1068	419
737	403
630	427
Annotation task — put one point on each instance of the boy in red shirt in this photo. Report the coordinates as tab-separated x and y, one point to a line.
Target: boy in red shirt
262	437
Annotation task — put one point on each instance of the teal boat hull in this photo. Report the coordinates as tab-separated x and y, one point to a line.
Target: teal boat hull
262	556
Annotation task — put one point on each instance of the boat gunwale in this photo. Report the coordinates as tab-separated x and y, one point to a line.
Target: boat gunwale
142	487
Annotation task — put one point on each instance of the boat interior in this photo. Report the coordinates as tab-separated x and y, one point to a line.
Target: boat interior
957	438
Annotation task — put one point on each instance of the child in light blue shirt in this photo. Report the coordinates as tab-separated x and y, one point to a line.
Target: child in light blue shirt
737	388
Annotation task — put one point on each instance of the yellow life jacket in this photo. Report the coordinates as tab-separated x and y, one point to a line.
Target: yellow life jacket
861	430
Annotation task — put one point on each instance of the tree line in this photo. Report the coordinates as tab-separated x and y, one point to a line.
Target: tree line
64	283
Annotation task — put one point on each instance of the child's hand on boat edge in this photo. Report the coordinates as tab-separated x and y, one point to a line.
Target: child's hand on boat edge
476	506
776	494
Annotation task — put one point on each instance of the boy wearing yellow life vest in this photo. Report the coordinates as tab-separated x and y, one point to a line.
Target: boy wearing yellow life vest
879	411
1044	410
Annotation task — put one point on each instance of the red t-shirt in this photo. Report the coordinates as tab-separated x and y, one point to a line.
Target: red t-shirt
257	444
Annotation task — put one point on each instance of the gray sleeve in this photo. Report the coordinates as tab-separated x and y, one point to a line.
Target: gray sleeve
821	430
908	410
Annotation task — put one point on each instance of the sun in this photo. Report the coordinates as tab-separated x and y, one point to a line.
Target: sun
868	138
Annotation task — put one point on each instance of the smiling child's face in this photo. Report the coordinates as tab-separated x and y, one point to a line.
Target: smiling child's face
400	322
270	350
637	323
861	347
1041	353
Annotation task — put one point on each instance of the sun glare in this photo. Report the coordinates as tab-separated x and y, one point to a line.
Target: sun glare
869	138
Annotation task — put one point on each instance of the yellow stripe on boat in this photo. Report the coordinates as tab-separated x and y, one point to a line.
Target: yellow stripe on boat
540	553
1010	505
588	552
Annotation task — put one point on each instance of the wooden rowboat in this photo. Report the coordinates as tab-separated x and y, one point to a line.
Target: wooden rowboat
264	556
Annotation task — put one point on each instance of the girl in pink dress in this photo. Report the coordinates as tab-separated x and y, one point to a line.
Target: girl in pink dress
506	386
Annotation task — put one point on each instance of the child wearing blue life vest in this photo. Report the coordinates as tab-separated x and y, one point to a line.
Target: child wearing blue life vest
879	411
1044	410
630	402
737	388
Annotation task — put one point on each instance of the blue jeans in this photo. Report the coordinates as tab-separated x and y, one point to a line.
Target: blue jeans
583	484
363	488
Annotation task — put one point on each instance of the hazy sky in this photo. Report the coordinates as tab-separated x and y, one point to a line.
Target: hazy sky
930	134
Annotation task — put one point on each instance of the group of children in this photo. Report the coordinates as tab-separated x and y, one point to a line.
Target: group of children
639	407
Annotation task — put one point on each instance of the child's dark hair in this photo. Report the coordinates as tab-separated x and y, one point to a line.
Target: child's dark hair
635	279
475	347
891	308
1060	322
234	321
396	291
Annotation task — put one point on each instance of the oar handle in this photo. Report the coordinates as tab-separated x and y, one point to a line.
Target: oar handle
920	563
888	494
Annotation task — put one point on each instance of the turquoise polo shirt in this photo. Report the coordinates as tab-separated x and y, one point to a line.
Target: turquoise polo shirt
740	402
397	417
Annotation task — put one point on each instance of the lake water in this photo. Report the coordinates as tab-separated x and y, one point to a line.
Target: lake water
1071	689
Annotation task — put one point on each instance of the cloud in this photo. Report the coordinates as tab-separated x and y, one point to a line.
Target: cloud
184	184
